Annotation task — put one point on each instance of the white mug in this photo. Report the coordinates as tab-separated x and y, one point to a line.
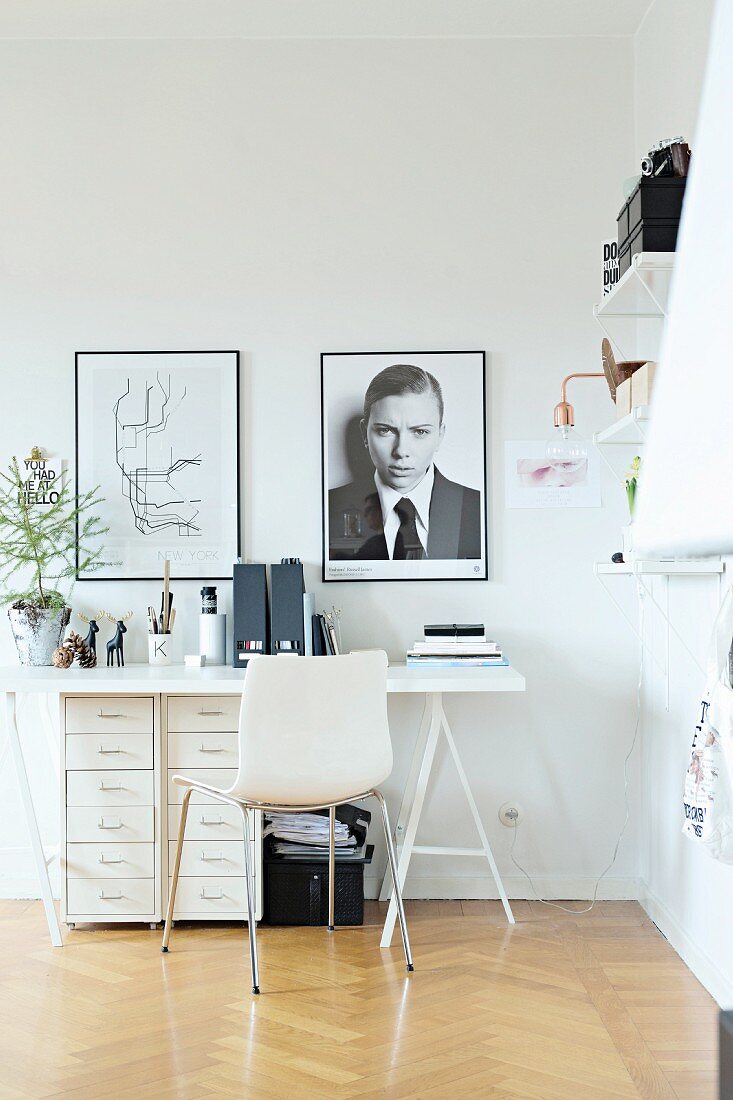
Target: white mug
160	649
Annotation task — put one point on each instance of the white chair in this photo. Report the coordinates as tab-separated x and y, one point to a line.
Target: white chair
313	734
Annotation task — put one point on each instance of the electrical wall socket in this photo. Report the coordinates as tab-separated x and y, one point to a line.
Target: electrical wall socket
510	814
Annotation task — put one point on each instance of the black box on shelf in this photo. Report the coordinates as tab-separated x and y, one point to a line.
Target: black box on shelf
296	891
649	219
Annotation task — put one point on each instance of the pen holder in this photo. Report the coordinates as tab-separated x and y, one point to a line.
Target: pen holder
160	649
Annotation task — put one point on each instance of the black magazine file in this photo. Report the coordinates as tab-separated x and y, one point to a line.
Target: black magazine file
287	626
250	613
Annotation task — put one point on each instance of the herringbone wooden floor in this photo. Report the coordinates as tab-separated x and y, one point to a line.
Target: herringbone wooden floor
556	1008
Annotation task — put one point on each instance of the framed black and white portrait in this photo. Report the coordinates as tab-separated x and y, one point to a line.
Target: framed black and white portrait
158	432
404	465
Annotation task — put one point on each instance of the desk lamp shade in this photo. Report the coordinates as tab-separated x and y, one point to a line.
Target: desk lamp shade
685	502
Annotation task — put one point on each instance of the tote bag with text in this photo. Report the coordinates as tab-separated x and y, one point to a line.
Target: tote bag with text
708	798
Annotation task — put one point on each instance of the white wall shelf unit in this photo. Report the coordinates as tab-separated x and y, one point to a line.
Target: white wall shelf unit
628	429
632	315
645	567
649	567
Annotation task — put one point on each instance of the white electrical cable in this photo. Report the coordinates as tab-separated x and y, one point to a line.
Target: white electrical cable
554	904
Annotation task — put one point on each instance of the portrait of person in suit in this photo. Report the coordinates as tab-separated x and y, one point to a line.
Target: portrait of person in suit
402	507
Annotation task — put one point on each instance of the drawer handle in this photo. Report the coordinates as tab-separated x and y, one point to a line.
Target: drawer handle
210	713
202	748
212	858
103	860
110	897
211	821
110	715
211	896
112	787
109	752
102	825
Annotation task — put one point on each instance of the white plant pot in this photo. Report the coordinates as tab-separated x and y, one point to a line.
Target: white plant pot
627	542
37	632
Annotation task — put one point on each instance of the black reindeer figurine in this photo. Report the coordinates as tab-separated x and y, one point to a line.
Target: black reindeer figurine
115	645
91	639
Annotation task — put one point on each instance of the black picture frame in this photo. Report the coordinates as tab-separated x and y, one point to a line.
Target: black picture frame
483	572
201	573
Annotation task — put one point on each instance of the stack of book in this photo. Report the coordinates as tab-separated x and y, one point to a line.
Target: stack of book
455	645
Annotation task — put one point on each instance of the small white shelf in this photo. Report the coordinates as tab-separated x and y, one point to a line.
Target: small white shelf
627	429
642	290
682	566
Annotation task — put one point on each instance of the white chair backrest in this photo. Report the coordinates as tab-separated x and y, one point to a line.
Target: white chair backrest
313	729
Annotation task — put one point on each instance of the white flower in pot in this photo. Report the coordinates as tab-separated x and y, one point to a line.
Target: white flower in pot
42	546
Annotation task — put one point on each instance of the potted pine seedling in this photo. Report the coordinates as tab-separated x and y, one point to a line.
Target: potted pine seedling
42	547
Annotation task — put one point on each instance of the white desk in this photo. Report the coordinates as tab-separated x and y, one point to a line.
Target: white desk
222	680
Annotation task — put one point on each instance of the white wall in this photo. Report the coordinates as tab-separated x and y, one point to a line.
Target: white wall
291	197
669	61
687	894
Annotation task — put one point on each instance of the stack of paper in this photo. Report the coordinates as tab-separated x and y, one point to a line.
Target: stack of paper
307	835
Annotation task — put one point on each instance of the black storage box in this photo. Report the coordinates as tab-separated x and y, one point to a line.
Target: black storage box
649	219
296	890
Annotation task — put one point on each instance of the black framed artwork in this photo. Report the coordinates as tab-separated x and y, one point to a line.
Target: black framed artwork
158	432
403	444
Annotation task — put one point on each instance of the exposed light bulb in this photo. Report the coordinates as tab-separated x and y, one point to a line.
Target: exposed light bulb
567	446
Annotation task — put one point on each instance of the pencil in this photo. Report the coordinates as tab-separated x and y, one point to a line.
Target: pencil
166	587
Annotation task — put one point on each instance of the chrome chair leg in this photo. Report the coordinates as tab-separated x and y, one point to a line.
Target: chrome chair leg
331	868
395	880
251	922
176	869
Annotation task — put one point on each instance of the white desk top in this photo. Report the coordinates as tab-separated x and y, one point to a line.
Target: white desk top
220	679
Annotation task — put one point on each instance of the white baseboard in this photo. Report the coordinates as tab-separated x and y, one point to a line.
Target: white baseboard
26	888
425	887
700	963
482	887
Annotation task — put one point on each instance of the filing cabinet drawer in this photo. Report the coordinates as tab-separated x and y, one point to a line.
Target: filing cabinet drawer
109	789
203	713
211	897
217	859
203	750
126	714
110	860
109	751
208	822
215	777
134	824
101	897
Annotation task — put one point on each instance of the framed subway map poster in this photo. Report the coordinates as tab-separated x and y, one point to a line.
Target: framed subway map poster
158	432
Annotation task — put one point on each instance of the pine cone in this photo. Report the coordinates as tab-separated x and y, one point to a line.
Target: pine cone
74	643
86	657
79	651
62	657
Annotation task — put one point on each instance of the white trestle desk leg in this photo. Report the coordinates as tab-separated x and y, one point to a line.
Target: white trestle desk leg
408	796
479	824
53	740
426	764
30	815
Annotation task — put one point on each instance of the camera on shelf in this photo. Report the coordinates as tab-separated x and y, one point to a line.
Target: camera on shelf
670	157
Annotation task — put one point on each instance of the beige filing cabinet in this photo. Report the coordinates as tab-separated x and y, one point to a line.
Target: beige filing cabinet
120	810
202	742
111	842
